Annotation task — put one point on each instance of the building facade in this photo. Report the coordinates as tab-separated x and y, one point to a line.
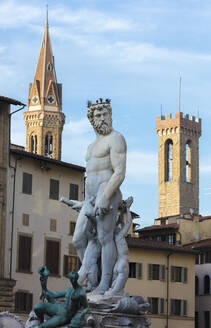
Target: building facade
40	227
202	282
164	275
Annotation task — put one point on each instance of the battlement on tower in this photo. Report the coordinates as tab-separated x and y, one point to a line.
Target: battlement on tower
180	123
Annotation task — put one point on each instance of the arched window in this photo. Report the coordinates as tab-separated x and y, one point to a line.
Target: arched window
33	140
32	144
35	144
196	285
188	161
168	160
48	145
206	284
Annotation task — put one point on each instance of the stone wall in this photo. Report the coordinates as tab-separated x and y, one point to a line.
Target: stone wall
4	162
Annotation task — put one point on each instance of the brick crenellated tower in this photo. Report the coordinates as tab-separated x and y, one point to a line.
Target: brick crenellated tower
44	119
178	164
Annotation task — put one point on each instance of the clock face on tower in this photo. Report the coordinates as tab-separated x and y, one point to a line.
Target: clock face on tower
35	100
51	99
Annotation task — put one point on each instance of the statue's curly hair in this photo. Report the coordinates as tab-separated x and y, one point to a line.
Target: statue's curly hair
99	104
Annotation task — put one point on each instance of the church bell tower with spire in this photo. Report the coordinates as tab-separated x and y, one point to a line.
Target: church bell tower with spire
44	119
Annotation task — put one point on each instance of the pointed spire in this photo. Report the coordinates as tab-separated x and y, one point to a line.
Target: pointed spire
45	90
47	15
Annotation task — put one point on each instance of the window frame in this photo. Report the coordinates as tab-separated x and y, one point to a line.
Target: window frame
58	241
54	195
74	191
18	268
29	301
26	185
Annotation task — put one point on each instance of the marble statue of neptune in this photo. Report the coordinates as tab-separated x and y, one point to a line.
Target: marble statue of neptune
105	170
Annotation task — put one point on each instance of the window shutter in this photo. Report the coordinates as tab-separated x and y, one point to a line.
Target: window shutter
28	302
161	305
162	273
52	256
25	219
65	265
172	307
73	191
24	253
150	271
17	301
54	189
150	303
72	228
184	275
53	225
173	273
27	183
139	270
184	308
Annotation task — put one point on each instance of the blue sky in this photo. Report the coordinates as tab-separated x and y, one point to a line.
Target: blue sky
131	51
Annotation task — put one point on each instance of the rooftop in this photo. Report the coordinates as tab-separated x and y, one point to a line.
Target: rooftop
11	101
197	245
169	226
158	246
24	153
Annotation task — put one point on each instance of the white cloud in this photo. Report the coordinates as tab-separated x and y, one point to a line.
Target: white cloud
138	52
14	14
88	20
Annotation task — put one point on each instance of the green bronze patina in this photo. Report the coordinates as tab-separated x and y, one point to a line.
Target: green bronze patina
61	314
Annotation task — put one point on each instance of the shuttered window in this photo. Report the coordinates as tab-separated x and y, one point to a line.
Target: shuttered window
25	219
72	228
132	270
53	225
139	270
135	270
70	263
156	272
52	256
73	191
23	302
156	305
179	274
24	253
54	189
27	183
178	307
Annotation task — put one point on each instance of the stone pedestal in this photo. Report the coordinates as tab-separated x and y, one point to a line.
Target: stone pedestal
100	319
7	295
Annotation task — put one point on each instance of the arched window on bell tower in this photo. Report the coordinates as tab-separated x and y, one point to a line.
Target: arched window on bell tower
33	143
48	145
168	159
188	161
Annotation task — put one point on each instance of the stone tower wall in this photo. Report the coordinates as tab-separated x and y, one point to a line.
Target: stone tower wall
178	196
